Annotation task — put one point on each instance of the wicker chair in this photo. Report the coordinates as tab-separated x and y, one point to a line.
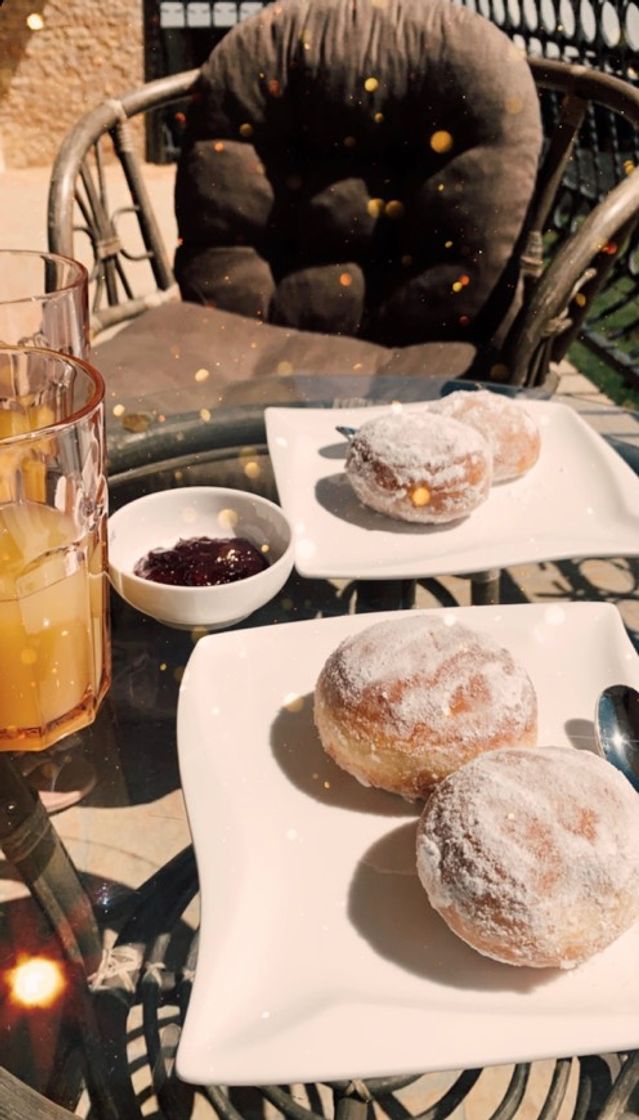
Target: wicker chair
561	274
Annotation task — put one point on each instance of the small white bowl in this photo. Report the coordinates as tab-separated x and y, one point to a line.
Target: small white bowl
159	520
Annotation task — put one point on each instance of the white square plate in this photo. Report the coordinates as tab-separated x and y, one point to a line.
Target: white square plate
320	957
580	499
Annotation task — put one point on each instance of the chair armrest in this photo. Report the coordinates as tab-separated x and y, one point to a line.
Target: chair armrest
547	304
88	130
19	1102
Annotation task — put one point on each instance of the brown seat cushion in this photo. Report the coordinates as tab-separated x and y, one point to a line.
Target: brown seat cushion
377	159
156	358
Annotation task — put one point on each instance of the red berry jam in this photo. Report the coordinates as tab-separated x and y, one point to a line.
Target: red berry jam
202	562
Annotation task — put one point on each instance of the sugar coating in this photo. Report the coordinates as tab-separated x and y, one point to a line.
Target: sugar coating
406	701
393	454
511	431
432	660
532	856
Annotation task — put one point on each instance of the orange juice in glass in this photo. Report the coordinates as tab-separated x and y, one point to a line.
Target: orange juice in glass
54	638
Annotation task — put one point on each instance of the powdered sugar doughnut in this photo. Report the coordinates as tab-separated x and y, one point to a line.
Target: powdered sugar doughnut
406	701
532	857
511	431
419	467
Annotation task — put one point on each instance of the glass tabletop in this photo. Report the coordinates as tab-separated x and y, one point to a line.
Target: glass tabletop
99	917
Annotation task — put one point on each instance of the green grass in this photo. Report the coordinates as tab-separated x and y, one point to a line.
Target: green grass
607	380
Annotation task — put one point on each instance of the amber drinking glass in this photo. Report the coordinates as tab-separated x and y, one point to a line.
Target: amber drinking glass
54	638
44	302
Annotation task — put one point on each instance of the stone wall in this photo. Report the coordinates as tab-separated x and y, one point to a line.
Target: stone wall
59	58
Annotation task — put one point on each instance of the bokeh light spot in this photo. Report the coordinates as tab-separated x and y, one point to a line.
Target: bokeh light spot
201	375
306	548
136	422
227	518
345	279
371	84
36	982
394	209
246	129
441	141
35	21
420	496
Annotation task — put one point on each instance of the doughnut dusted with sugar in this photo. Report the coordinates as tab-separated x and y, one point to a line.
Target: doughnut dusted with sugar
512	433
403	703
416	466
532	856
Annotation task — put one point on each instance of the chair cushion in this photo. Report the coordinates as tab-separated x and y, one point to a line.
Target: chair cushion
380	158
155	359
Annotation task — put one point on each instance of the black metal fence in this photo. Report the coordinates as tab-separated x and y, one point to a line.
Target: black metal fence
179	35
604	35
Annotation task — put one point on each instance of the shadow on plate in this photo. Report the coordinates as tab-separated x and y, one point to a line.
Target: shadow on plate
299	754
581	733
388	906
334	494
334	450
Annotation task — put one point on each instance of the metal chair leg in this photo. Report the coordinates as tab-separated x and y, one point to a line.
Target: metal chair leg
385	595
31	843
485	587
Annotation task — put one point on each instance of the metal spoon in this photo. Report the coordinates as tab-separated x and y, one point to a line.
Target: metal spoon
617	729
344	430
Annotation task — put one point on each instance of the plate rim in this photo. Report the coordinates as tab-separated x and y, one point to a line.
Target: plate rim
194	1054
625	543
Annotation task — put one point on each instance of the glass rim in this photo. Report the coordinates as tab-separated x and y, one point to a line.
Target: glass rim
95	400
81	279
